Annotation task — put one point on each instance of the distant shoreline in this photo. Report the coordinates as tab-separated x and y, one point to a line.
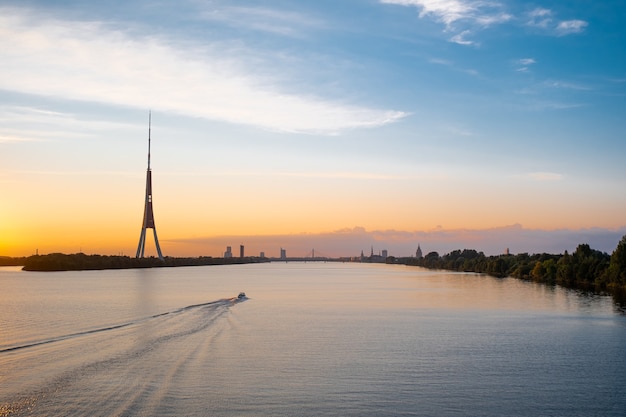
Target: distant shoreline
55	262
586	269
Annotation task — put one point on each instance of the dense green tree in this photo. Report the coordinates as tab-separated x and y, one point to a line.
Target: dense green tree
10	261
80	261
538	272
617	266
564	270
586	268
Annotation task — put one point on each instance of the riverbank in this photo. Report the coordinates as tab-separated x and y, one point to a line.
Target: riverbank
81	261
586	269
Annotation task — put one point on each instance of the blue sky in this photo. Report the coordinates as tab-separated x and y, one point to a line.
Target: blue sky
391	115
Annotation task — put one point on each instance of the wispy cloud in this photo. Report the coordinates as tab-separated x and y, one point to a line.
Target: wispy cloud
523	64
466	17
439	61
540	17
280	22
31	124
332	175
460	38
544	19
460	16
452	65
566	85
541	105
571	26
449	12
90	61
526	61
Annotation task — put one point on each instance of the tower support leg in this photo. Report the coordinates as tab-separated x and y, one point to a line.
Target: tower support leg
156	241
142	243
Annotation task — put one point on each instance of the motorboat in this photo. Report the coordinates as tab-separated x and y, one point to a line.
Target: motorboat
241	296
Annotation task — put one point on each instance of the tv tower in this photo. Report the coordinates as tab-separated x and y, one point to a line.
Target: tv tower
148	214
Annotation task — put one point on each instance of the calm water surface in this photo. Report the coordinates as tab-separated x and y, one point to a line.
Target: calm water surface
312	339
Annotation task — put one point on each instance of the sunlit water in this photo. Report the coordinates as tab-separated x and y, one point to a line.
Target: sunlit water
312	339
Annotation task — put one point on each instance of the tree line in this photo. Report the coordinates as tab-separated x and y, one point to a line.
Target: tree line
585	268
81	261
12	261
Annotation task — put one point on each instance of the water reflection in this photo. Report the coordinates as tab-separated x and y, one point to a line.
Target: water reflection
385	287
144	292
313	340
620	302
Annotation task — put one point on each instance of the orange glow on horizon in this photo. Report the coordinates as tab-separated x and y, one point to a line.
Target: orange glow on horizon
103	215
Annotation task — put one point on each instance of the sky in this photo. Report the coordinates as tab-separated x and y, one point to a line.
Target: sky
340	126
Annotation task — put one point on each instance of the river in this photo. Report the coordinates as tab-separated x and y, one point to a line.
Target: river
310	339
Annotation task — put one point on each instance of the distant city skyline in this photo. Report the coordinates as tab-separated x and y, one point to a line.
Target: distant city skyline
352	242
300	125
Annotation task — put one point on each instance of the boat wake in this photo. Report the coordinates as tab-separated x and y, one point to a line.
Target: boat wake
217	303
132	367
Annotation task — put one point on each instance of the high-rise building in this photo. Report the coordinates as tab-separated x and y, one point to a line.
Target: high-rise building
283	253
418	253
241	251
228	253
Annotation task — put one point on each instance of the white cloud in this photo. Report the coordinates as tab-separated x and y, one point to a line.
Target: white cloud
91	62
451	11
439	61
460	39
571	26
452	65
463	15
543	18
475	14
524	64
526	61
264	19
20	123
445	11
540	17
540	12
565	85
493	19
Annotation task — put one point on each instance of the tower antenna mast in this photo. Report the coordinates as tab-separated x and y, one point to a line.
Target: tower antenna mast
148	214
149	131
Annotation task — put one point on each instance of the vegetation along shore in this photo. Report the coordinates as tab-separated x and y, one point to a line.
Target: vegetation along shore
585	269
81	261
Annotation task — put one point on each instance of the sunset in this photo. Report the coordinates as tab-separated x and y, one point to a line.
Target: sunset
354	208
300	122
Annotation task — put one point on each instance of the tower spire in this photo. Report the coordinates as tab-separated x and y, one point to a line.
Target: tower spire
148	214
149	131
